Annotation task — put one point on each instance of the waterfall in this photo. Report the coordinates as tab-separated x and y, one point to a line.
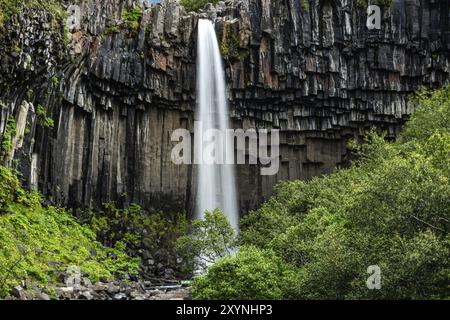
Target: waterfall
216	186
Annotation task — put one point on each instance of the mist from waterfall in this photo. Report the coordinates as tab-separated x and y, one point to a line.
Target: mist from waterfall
216	185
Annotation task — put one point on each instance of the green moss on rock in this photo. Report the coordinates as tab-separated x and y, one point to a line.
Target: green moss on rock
132	18
8	136
305	5
229	46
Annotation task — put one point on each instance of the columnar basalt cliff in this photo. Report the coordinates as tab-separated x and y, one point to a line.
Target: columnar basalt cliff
116	90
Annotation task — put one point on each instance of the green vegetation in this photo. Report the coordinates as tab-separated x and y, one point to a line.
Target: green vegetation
132	18
112	29
305	5
137	228
8	135
251	274
30	94
37	244
210	239
55	81
195	5
45	121
229	46
8	8
316	240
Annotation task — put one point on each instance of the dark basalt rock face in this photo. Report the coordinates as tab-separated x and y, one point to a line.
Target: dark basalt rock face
116	94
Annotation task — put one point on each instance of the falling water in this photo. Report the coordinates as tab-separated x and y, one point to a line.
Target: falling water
216	182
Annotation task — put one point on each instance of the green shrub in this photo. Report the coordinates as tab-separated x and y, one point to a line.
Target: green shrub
132	18
253	274
9	187
45	121
432	115
210	239
266	223
55	81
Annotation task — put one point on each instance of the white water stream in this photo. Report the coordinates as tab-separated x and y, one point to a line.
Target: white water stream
216	182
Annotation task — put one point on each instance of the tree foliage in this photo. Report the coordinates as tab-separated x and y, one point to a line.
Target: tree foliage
252	274
210	239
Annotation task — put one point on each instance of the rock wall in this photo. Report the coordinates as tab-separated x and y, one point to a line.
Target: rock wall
309	68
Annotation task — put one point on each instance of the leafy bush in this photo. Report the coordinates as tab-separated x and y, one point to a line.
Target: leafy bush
252	274
432	115
44	120
390	209
38	244
9	187
210	239
133	18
